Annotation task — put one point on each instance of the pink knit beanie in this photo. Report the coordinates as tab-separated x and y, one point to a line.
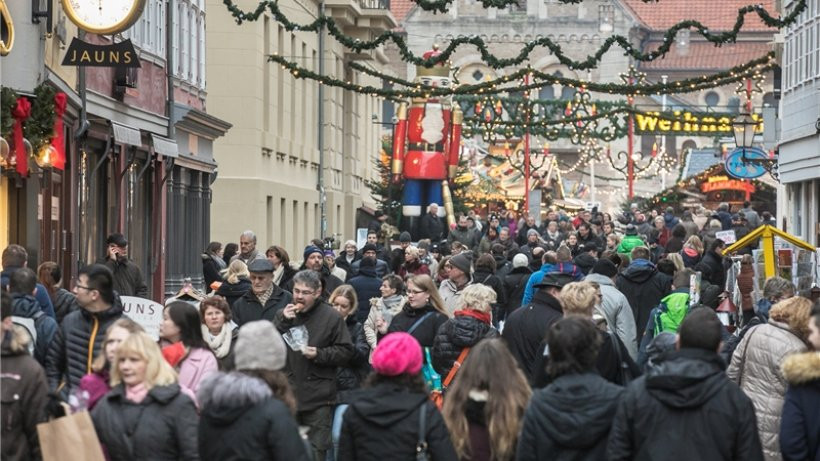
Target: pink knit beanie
396	354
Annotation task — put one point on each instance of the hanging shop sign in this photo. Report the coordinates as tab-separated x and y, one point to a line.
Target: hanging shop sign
684	122
84	54
738	166
717	183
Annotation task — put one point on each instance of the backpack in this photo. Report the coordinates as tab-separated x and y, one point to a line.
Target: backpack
29	325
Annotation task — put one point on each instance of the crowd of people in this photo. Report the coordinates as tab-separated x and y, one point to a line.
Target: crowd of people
579	337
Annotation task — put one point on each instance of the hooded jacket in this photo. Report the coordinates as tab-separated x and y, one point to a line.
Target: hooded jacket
616	311
711	266
161	427
629	243
755	367
45	326
666	317
24	396
453	336
75	345
40	293
383	423
314	380
800	423
685	408
644	287
233	291
570	419
367	285
242	420
525	328
248	308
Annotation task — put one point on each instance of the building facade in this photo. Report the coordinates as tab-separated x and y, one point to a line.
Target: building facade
139	156
799	142
269	163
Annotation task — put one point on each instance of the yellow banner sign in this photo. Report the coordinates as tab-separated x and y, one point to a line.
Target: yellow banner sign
682	122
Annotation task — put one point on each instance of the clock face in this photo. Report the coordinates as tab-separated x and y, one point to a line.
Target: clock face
103	16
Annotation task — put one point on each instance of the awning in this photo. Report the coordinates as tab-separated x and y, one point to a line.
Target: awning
165	146
124	134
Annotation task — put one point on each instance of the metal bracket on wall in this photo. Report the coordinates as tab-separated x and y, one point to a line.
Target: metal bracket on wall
48	14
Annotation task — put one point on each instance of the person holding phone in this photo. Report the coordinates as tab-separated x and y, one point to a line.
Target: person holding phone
128	279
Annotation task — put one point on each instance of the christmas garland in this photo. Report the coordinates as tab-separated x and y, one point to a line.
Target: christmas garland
356	45
749	69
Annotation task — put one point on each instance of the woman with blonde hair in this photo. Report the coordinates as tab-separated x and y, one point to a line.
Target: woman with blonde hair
756	362
471	323
692	251
484	406
146	415
423	314
96	383
412	264
237	282
677	260
614	364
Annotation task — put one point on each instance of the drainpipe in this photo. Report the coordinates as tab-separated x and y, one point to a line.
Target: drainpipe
320	184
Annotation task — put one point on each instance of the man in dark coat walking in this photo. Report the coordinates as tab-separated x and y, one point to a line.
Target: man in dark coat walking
514	284
525	327
431	225
367	285
264	298
644	287
312	369
685	407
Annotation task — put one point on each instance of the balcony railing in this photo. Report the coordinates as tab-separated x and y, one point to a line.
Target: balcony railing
375	4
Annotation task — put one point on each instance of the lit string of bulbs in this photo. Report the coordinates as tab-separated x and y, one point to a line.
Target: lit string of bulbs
357	45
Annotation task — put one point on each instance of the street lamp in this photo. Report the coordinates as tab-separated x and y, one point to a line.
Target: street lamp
744	128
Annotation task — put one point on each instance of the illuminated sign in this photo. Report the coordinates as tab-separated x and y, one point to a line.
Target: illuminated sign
681	122
724	183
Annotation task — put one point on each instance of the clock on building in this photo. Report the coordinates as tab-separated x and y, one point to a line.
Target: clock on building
103	16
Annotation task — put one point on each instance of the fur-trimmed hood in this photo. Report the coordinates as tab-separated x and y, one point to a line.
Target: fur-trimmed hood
802	368
16	341
227	396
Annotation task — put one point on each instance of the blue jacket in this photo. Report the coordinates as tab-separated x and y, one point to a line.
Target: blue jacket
45	326
800	422
367	285
41	294
536	277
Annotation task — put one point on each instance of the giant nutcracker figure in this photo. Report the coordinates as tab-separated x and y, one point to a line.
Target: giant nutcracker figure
426	146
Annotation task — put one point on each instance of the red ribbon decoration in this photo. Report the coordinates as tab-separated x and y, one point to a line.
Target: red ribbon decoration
60	102
21	112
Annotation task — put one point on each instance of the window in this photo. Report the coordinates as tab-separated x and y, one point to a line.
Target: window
148	33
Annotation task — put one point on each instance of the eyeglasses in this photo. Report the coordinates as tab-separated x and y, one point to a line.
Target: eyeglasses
306	292
416	292
84	287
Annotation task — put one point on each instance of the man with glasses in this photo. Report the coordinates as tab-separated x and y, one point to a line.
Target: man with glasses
263	299
79	339
311	368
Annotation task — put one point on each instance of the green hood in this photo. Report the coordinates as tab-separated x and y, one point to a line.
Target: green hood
673	309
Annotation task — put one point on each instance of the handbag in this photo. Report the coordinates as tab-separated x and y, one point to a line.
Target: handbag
431	376
624	373
70	438
421	447
437	396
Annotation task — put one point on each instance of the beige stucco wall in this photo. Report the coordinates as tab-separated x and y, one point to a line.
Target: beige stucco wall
268	161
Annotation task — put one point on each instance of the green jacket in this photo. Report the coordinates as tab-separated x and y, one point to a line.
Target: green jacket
672	311
628	243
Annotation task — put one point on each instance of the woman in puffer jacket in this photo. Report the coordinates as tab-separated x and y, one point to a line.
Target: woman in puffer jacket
146	415
756	363
472	323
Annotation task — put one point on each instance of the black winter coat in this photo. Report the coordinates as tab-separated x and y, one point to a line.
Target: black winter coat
341	261
493	281
76	343
248	308
431	227
351	375
514	284
453	336
685	408
210	271
161	427
128	280
425	332
712	269
233	291
367	286
569	420
242	420
644	287
382	424
525	329
64	303
314	380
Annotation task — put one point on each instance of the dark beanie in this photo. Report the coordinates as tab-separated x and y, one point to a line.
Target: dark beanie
461	262
404	237
605	267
